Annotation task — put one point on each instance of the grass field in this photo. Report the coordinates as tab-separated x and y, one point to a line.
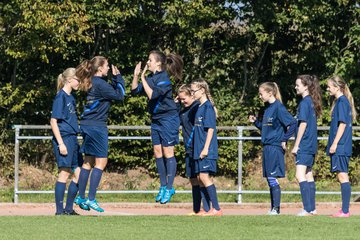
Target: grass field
178	227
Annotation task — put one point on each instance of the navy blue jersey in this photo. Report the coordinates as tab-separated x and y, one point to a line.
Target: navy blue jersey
161	103
187	120
306	113
205	118
341	114
99	99
274	124
64	110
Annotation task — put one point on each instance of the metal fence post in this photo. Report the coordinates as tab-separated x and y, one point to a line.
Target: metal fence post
240	163
17	133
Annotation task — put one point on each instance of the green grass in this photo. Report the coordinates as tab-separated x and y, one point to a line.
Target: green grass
178	227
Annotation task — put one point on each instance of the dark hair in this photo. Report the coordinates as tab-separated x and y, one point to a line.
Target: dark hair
172	63
86	70
312	82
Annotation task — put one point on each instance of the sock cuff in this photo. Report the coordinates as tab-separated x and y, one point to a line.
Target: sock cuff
86	170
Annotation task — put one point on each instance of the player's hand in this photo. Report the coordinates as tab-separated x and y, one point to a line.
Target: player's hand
144	72
63	149
283	145
177	99
137	70
332	149
115	70
295	150
252	118
204	153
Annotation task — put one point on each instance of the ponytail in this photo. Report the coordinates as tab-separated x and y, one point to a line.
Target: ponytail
172	63
273	88
312	82
63	77
201	83
340	82
87	69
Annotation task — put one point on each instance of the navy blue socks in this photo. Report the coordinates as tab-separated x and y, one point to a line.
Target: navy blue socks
83	179
161	167
213	196
171	171
72	191
312	188
196	198
205	199
95	178
276	196
305	195
59	196
345	195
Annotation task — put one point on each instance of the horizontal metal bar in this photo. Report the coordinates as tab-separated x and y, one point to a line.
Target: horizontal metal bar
187	191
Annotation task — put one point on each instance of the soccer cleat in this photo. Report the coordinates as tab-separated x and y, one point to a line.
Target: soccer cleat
160	193
94	205
340	214
73	213
200	213
274	211
167	196
213	212
304	213
81	202
59	214
314	212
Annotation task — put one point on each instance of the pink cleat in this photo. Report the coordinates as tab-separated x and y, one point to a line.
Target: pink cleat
340	214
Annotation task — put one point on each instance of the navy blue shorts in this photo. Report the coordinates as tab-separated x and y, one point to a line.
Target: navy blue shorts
73	158
205	166
95	141
304	159
165	132
339	163
190	167
273	161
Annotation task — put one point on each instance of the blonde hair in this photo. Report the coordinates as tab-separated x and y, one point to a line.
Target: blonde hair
312	82
273	88
87	69
201	83
63	77
185	88
340	83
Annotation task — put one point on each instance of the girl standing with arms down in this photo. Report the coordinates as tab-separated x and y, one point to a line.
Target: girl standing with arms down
165	120
305	147
93	124
187	120
205	142
277	126
64	125
339	146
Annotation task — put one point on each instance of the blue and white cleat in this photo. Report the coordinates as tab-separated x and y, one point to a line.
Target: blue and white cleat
81	202
160	194
94	205
167	196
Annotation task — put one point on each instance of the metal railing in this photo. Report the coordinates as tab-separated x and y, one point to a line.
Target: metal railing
240	138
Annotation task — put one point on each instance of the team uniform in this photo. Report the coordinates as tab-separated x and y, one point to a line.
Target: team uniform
308	144
93	121
165	123
341	114
205	118
274	131
307	149
64	110
187	119
93	126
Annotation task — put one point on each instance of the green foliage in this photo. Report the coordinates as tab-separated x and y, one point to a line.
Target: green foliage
234	45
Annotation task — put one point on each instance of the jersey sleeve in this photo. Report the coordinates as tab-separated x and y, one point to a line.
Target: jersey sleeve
209	118
303	113
161	89
342	111
138	90
284	116
110	92
58	107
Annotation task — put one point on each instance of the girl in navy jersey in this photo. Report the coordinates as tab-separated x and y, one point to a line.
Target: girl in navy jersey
205	151
305	147
339	146
165	120
277	126
187	119
93	124
64	125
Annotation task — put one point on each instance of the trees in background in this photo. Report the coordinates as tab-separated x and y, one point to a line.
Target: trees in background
235	45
